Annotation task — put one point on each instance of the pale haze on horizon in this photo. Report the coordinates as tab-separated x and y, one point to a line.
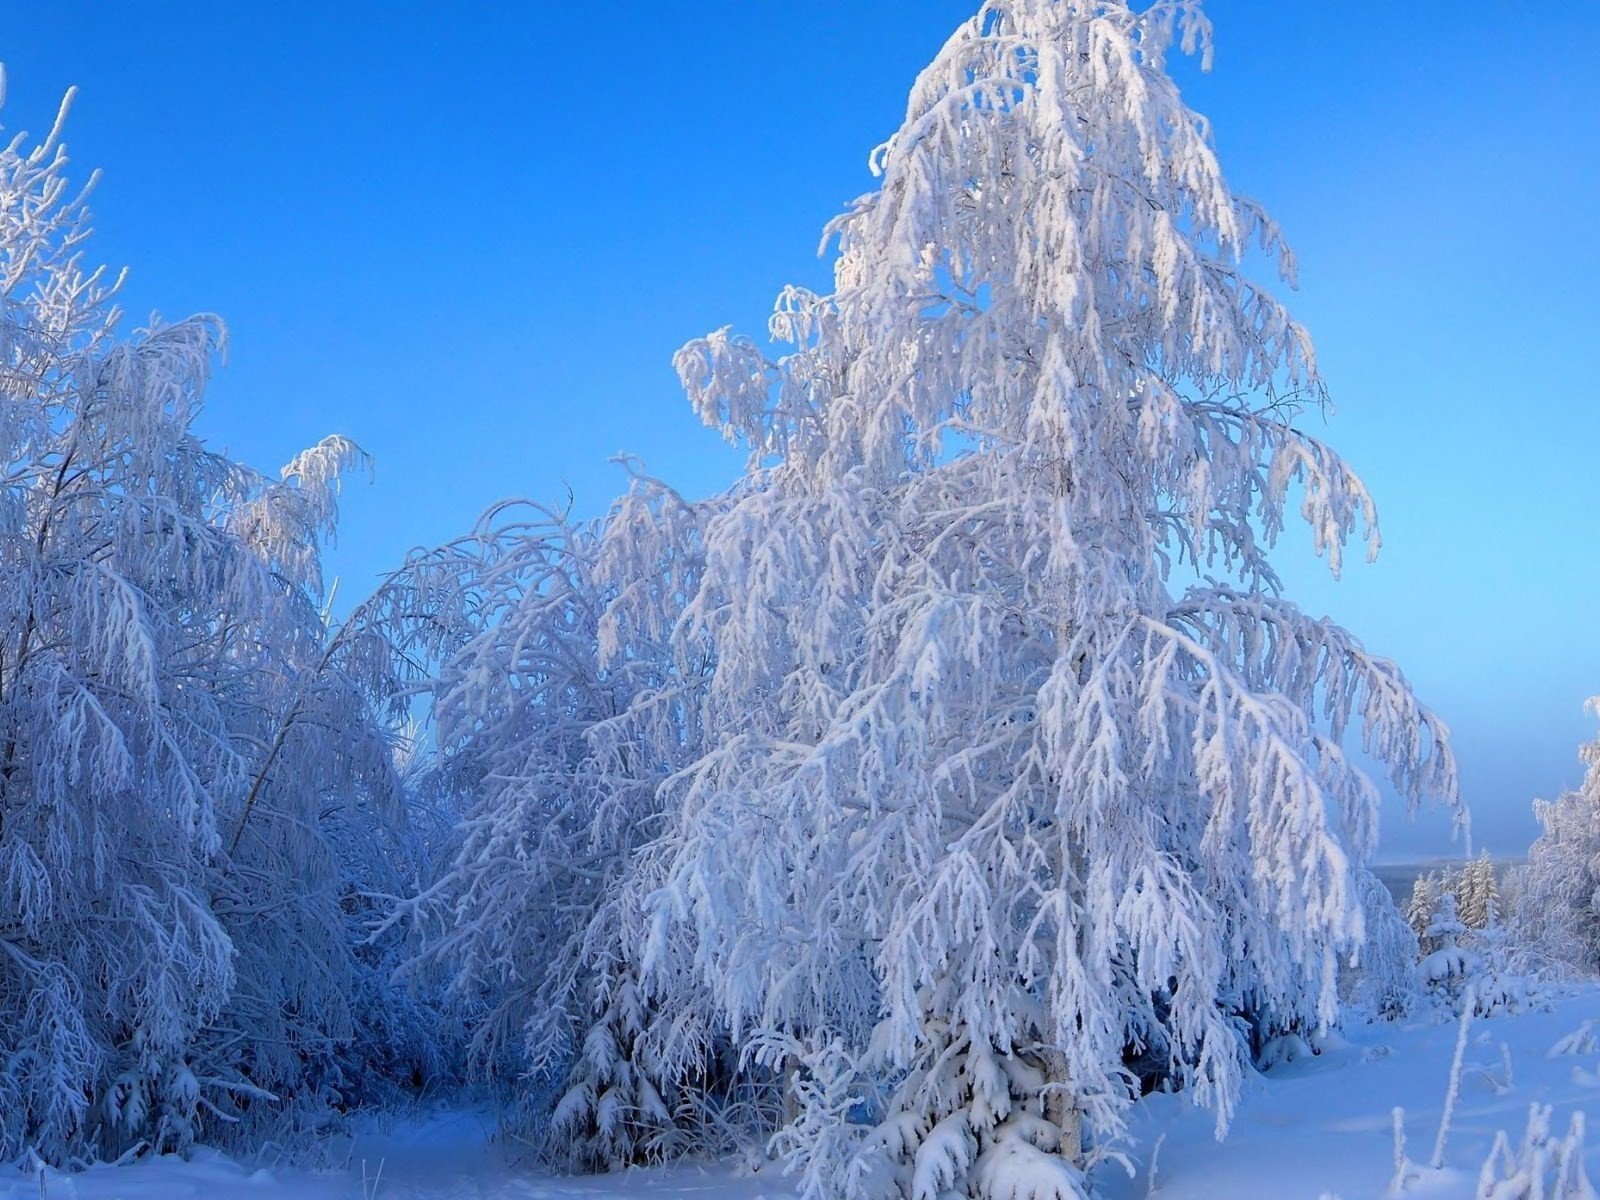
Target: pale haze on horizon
472	237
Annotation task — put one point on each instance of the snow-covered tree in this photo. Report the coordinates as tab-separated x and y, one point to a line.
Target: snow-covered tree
194	778
559	713
1475	884
1023	766
1424	902
1557	908
1465	948
1478	892
1462	964
1482	905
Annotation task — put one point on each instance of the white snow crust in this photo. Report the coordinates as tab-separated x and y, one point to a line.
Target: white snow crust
1311	1128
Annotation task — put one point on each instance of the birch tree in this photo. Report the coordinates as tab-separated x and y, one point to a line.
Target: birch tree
194	777
1556	918
560	709
1023	763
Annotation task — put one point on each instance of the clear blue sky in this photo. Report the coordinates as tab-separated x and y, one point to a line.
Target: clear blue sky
471	236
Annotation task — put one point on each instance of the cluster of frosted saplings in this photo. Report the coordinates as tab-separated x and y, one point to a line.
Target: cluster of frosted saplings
898	810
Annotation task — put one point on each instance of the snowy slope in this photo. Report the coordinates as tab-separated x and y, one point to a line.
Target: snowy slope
1310	1129
1324	1126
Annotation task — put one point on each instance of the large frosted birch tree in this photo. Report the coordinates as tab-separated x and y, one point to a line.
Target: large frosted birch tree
1025	769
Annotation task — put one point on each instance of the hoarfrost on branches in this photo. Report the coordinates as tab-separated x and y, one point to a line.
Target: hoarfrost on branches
958	775
1557	909
1023	753
559	713
197	780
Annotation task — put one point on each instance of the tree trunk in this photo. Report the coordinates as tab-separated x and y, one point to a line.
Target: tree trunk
791	1100
1059	1108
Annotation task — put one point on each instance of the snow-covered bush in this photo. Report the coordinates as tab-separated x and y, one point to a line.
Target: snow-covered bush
1383	980
1543	1167
195	778
1448	967
1461	963
1463	939
1022	765
969	1118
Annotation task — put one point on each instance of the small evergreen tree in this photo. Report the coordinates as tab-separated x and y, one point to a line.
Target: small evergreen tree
1425	892
1448	966
1478	892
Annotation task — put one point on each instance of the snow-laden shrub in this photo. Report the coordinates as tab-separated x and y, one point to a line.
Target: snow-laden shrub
1463	963
1543	1167
973	1118
611	1112
1383	981
1448	968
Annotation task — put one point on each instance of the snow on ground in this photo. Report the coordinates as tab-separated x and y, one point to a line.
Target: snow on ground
447	1156
1324	1126
1313	1128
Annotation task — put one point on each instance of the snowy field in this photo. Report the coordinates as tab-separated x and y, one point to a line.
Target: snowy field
1314	1128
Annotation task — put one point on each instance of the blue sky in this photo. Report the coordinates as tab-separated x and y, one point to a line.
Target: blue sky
471	236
